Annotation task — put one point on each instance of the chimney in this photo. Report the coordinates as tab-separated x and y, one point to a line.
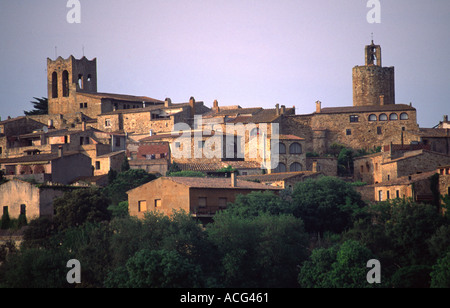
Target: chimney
216	106
151	132
192	105
446	118
277	106
167	102
381	100
233	179
318	107
283	109
60	151
50	124
143	104
83	126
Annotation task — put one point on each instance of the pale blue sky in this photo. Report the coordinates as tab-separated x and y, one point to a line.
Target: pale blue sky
240	52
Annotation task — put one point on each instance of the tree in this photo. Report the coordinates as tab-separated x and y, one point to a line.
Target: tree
440	275
161	269
326	204
342	266
125	181
345	162
260	251
80	206
125	164
257	202
40	107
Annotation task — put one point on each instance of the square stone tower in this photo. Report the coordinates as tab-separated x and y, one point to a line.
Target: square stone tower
66	78
373	85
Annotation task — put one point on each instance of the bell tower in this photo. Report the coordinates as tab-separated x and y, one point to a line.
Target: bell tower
66	78
373	85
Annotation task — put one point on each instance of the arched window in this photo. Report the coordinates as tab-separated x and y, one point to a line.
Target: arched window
404	116
254	132
383	117
80	81
65	82
372	117
281	168
54	85
393	117
295	167
295	148
282	148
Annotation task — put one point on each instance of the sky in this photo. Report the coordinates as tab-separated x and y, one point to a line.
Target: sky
252	53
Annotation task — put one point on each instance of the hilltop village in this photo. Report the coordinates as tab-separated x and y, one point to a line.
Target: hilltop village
87	133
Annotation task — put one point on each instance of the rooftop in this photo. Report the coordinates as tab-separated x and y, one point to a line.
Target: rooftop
359	109
225	183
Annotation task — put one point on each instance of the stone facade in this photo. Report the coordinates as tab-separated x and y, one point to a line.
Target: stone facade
201	197
387	166
373	85
23	197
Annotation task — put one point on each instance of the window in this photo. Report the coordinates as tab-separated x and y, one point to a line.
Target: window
65	82
23	209
107	122
354	118
117	141
1	150
404	116
388	195
393	117
281	168
295	167
295	148
383	117
85	105
80	81
397	194
97	165
348	132
380	195
223	203
157	203
282	148
254	132
142	206
372	118
54	85
379	131
202	202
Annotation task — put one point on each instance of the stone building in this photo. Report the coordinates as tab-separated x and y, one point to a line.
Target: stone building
201	197
61	168
373	84
415	186
387	166
72	88
283	180
19	197
374	119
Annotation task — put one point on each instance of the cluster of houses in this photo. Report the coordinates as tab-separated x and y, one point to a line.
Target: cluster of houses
87	133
